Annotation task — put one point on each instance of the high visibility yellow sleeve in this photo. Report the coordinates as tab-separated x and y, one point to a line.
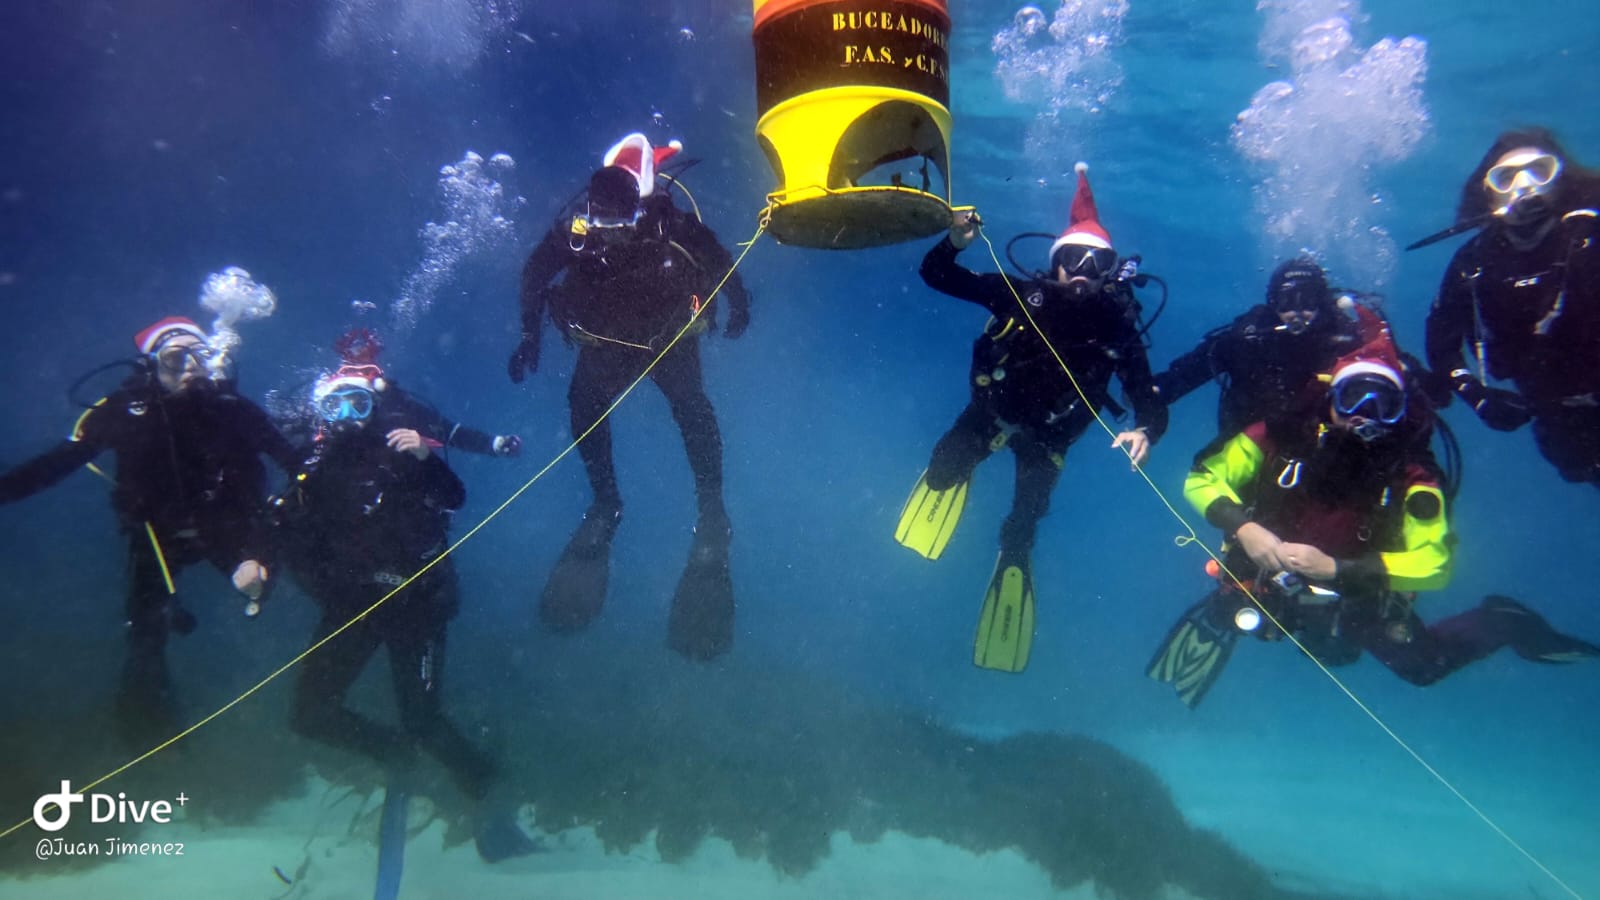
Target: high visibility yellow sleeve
1425	562
1214	484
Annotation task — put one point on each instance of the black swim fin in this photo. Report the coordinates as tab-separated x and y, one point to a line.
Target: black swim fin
499	837
1533	638
577	586
1193	654
700	625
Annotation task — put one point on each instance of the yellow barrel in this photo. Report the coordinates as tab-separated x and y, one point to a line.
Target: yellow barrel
853	113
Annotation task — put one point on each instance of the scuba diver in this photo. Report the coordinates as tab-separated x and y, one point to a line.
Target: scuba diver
1263	358
1523	297
189	486
1021	398
368	509
1335	518
634	271
360	347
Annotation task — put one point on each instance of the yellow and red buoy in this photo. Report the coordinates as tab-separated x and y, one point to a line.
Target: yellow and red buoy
848	92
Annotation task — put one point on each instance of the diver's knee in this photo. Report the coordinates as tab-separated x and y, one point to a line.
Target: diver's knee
948	468
1420	674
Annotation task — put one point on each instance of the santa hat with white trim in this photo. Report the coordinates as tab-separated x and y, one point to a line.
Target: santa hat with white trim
1083	228
1368	367
366	377
151	338
635	154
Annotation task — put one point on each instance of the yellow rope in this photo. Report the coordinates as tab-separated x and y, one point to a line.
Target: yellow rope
1192	537
161	558
593	338
149	530
694	318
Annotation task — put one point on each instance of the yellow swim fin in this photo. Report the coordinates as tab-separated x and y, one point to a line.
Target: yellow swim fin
1005	627
1192	656
930	517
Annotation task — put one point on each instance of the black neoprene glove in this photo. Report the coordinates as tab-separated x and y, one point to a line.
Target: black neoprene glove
524	359
1499	409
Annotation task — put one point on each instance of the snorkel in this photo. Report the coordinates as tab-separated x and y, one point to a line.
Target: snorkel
1520	187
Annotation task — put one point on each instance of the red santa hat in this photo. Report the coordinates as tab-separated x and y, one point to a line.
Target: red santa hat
154	336
1084	227
356	377
1368	367
1377	354
635	154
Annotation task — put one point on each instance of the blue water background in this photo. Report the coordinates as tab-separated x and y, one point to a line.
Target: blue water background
151	143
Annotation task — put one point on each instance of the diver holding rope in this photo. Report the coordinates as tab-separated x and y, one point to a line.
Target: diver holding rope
1022	397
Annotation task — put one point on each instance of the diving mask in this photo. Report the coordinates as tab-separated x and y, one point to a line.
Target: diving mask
175	358
1372	402
1085	262
351	404
193	363
594	220
1521	181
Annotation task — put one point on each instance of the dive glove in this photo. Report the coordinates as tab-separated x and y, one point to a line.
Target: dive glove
524	359
1499	409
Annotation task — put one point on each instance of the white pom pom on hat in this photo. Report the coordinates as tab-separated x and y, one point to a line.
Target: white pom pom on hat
1083	226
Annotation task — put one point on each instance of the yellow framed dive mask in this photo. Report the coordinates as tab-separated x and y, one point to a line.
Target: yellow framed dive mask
1520	182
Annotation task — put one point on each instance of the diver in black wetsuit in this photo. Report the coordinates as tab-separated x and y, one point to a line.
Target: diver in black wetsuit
1021	398
634	270
359	347
1264	358
1523	297
189	486
369	508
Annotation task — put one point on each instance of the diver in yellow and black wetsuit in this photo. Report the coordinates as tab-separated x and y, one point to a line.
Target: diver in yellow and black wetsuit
619	278
1335	519
1022	399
